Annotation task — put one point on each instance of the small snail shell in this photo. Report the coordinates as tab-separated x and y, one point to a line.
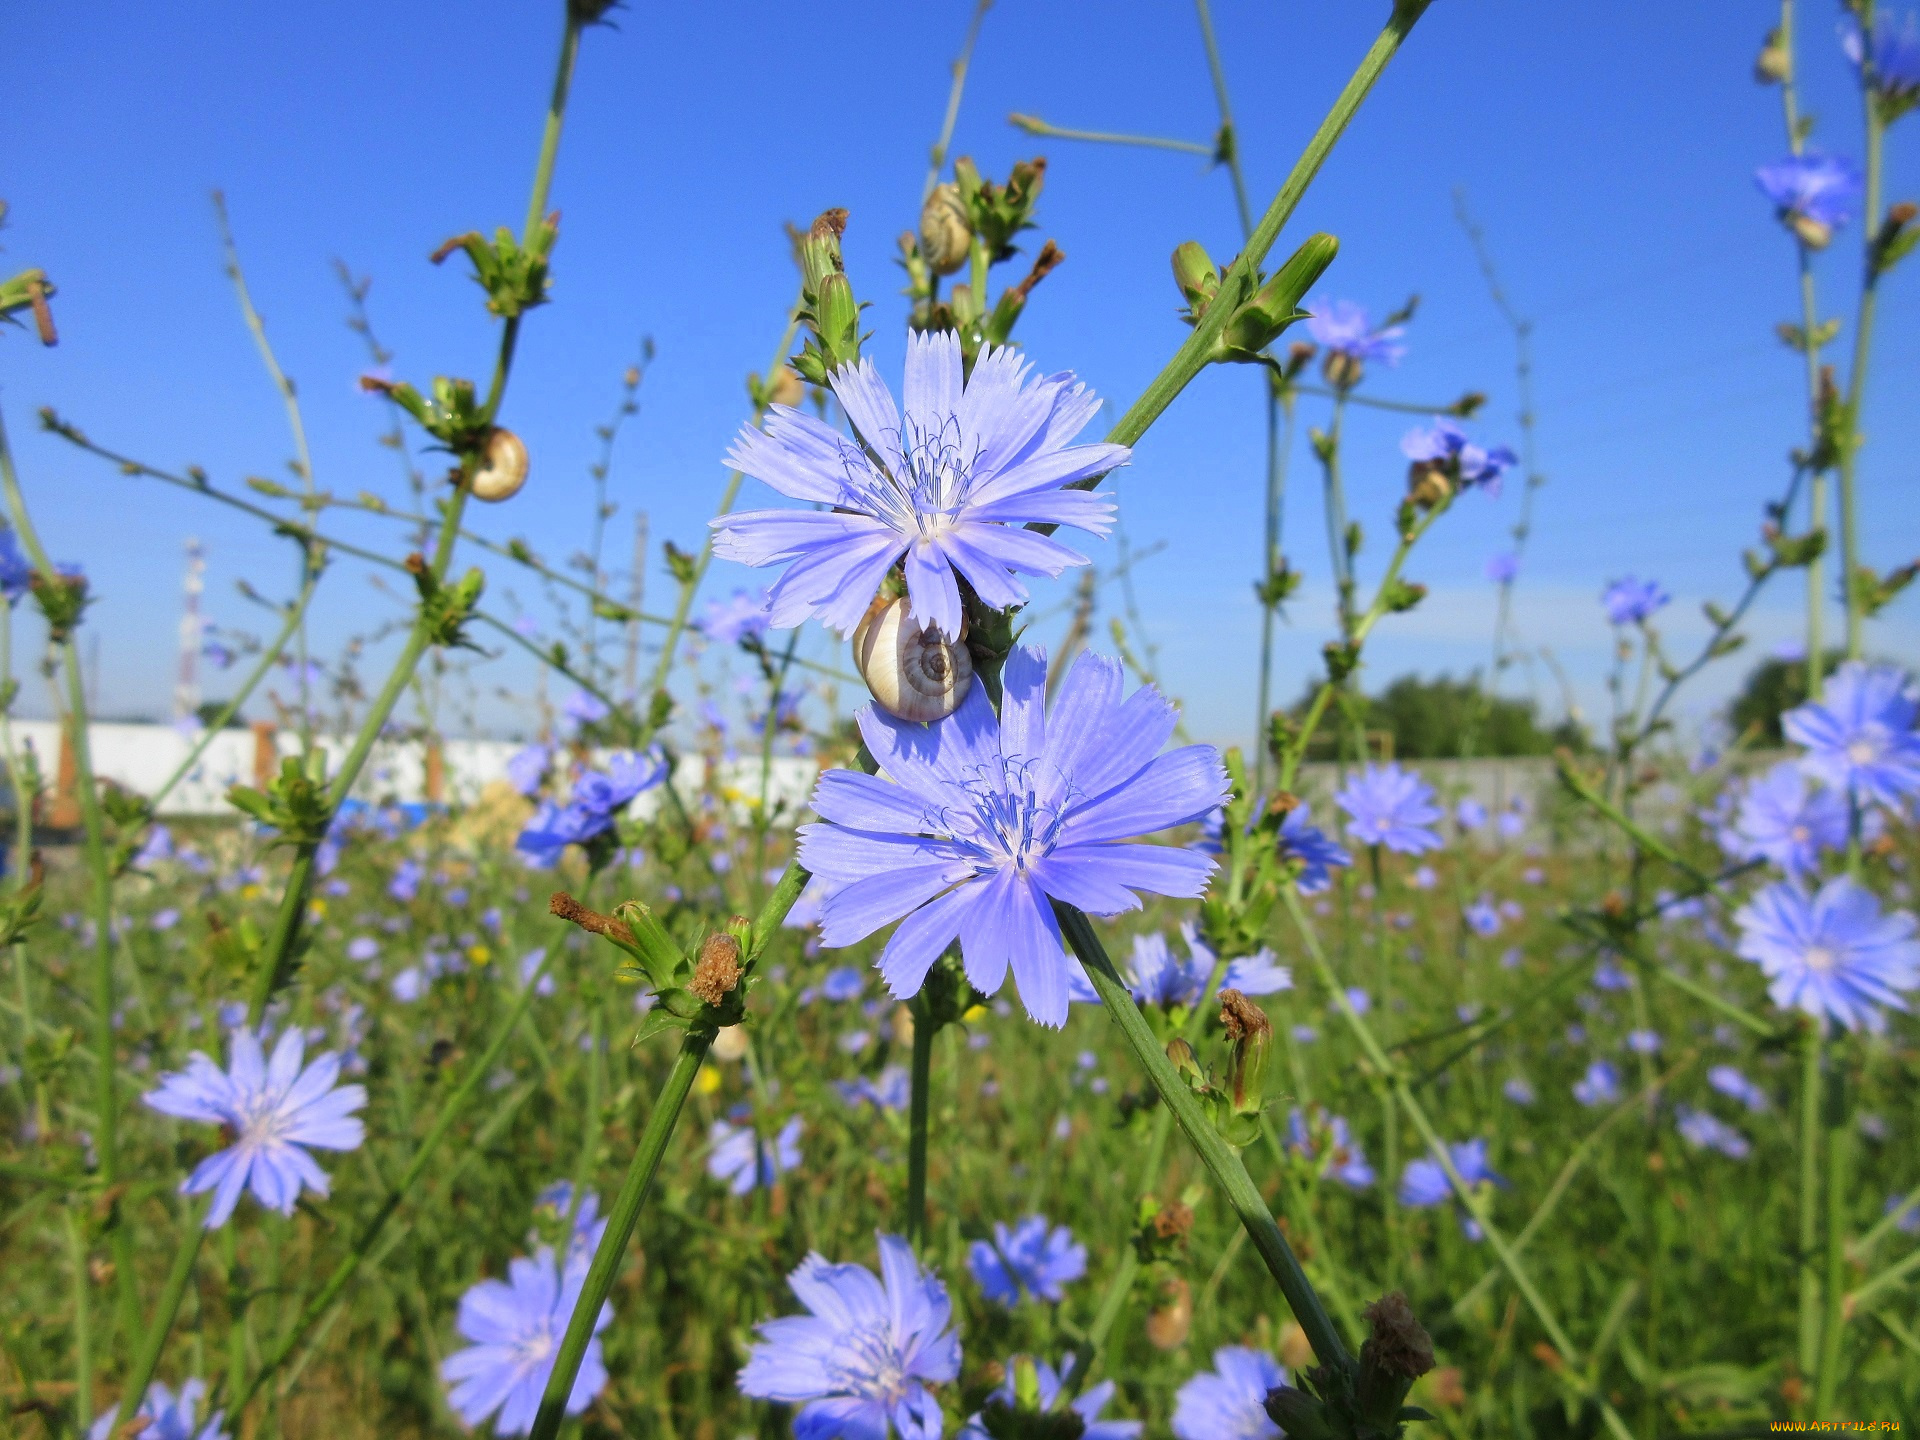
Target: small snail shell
945	234
914	674
503	467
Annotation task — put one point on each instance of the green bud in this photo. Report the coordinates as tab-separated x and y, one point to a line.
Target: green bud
1197	276
1251	1034
1276	304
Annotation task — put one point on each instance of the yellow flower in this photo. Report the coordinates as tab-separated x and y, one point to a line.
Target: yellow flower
973	1013
479	954
707	1081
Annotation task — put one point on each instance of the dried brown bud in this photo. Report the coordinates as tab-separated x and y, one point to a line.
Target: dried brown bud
1341	370
1296	1351
1902	214
1548	1356
1173	1221
568	908
1399	1344
786	388
1447	1388
1244	1019
718	969
1283	804
1427	484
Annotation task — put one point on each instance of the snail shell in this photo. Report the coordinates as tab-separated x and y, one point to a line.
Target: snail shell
914	674
503	467
945	234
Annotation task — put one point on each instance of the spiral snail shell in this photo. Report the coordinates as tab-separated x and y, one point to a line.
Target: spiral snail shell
503	467
945	234
914	674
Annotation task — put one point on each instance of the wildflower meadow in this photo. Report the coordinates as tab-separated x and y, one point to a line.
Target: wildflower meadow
842	988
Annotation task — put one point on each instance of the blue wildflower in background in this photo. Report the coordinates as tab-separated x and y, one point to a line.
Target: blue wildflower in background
860	1362
1087	1405
1033	1257
1155	976
592	809
1813	194
1389	806
584	709
1831	954
1229	1402
1346	1161
164	1415
1483	916
16	572
1731	1083
889	1090
273	1109
1785	820
984	820
1599	1086
948	487
845	982
1318	855
1896	59
1708	1132
1503	568
1424	1182
1630	601
527	769
1445	443
516	1326
742	1159
1860	736
742	616
405	884
1345	328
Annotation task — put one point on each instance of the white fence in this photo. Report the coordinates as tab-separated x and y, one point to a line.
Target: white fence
143	758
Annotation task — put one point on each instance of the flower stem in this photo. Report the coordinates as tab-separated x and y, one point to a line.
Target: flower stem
1222	1162
1813	1057
621	1219
82	1329
923	1033
1242	277
1862	339
1839	1156
147	1359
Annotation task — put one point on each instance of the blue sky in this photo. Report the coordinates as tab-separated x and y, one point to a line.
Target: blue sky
1608	151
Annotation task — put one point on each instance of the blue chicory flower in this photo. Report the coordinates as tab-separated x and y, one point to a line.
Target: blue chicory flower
274	1109
1087	1405
583	708
1389	806
1445	443
860	1363
1424	1182
1345	1160
949	487
1155	976
1896	59
1631	601
1708	1132
1731	1083
742	616
844	982
405	884
1831	954
1318	855
1229	1402
591	810
516	1326
889	1090
527	769
1860	736
983	820
1813	193
166	1416
1599	1086
1785	820
1346	328
740	1158
1483	916
1032	1258
1503	568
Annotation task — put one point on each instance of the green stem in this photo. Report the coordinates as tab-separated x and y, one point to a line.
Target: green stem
1813	1056
82	1329
1222	1162
556	120
1862	342
920	1095
621	1219
1839	1157
1242	277
147	1359
937	160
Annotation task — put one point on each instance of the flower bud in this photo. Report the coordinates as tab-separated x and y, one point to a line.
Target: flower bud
1252	1036
945	232
1298	1414
786	388
503	467
1814	234
1341	370
718	970
1428	484
1171	1321
1773	64
1398	1351
1185	1061
1196	275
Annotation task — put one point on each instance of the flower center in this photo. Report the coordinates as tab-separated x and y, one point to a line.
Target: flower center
1800	834
1863	751
870	1366
1820	958
1011	820
929	495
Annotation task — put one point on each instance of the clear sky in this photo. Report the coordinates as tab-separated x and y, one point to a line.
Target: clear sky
1607	149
